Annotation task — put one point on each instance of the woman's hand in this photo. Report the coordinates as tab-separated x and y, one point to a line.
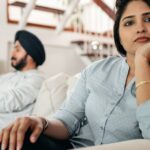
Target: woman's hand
13	135
143	53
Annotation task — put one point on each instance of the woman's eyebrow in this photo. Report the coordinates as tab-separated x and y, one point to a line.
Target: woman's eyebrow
132	16
128	17
145	14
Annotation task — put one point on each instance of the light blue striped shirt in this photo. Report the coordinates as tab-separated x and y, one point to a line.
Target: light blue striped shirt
100	110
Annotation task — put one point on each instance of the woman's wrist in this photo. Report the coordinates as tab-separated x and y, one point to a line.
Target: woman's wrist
142	66
141	60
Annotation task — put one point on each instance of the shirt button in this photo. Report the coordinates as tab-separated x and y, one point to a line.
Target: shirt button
82	124
84	118
101	128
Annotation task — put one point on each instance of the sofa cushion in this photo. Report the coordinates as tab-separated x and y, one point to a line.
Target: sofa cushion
52	94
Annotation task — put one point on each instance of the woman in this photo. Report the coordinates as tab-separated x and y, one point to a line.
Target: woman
111	100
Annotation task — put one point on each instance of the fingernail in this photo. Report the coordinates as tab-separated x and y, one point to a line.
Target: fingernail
10	149
3	147
19	147
33	139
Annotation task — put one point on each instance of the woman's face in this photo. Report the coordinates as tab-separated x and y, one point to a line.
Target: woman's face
134	28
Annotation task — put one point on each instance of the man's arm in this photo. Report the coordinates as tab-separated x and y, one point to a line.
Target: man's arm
17	98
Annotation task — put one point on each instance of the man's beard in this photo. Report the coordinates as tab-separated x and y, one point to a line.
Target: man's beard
21	64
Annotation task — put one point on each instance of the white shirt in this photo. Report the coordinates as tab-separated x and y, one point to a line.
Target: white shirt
18	92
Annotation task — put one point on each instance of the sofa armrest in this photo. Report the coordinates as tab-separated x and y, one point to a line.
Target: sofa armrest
139	144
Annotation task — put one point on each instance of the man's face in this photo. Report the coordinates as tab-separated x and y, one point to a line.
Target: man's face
18	56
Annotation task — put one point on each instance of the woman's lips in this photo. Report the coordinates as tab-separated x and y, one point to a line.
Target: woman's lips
142	39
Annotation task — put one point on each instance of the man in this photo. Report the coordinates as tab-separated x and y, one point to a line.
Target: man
19	89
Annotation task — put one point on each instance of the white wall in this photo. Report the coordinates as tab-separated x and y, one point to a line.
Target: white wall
49	37
61	59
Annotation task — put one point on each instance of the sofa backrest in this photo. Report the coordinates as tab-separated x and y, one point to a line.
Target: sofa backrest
52	94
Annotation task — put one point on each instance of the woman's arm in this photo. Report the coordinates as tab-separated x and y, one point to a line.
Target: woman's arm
56	129
142	73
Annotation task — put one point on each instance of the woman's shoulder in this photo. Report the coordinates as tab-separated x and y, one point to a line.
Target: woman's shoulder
106	63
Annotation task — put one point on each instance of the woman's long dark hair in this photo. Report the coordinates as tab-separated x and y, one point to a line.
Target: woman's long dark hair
121	6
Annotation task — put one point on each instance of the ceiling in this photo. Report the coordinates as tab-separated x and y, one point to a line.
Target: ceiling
51	13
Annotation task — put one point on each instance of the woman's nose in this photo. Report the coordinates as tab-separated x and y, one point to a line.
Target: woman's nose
141	28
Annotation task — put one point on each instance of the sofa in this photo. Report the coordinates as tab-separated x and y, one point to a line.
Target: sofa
51	96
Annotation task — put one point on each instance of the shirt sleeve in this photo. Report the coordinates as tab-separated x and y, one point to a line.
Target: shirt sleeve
143	117
73	109
17	98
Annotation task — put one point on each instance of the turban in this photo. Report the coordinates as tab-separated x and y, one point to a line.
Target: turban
32	45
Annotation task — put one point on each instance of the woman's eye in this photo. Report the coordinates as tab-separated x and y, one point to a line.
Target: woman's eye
128	23
147	19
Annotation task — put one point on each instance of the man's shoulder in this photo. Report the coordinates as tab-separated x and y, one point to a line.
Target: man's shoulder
34	74
8	74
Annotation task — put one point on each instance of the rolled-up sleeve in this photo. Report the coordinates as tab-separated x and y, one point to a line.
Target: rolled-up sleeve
143	117
73	109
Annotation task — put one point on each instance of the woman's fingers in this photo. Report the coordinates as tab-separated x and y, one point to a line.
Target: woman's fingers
1	136
144	50
36	126
36	133
13	136
25	124
5	137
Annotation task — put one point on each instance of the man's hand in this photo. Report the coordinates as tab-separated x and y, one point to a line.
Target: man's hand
12	137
